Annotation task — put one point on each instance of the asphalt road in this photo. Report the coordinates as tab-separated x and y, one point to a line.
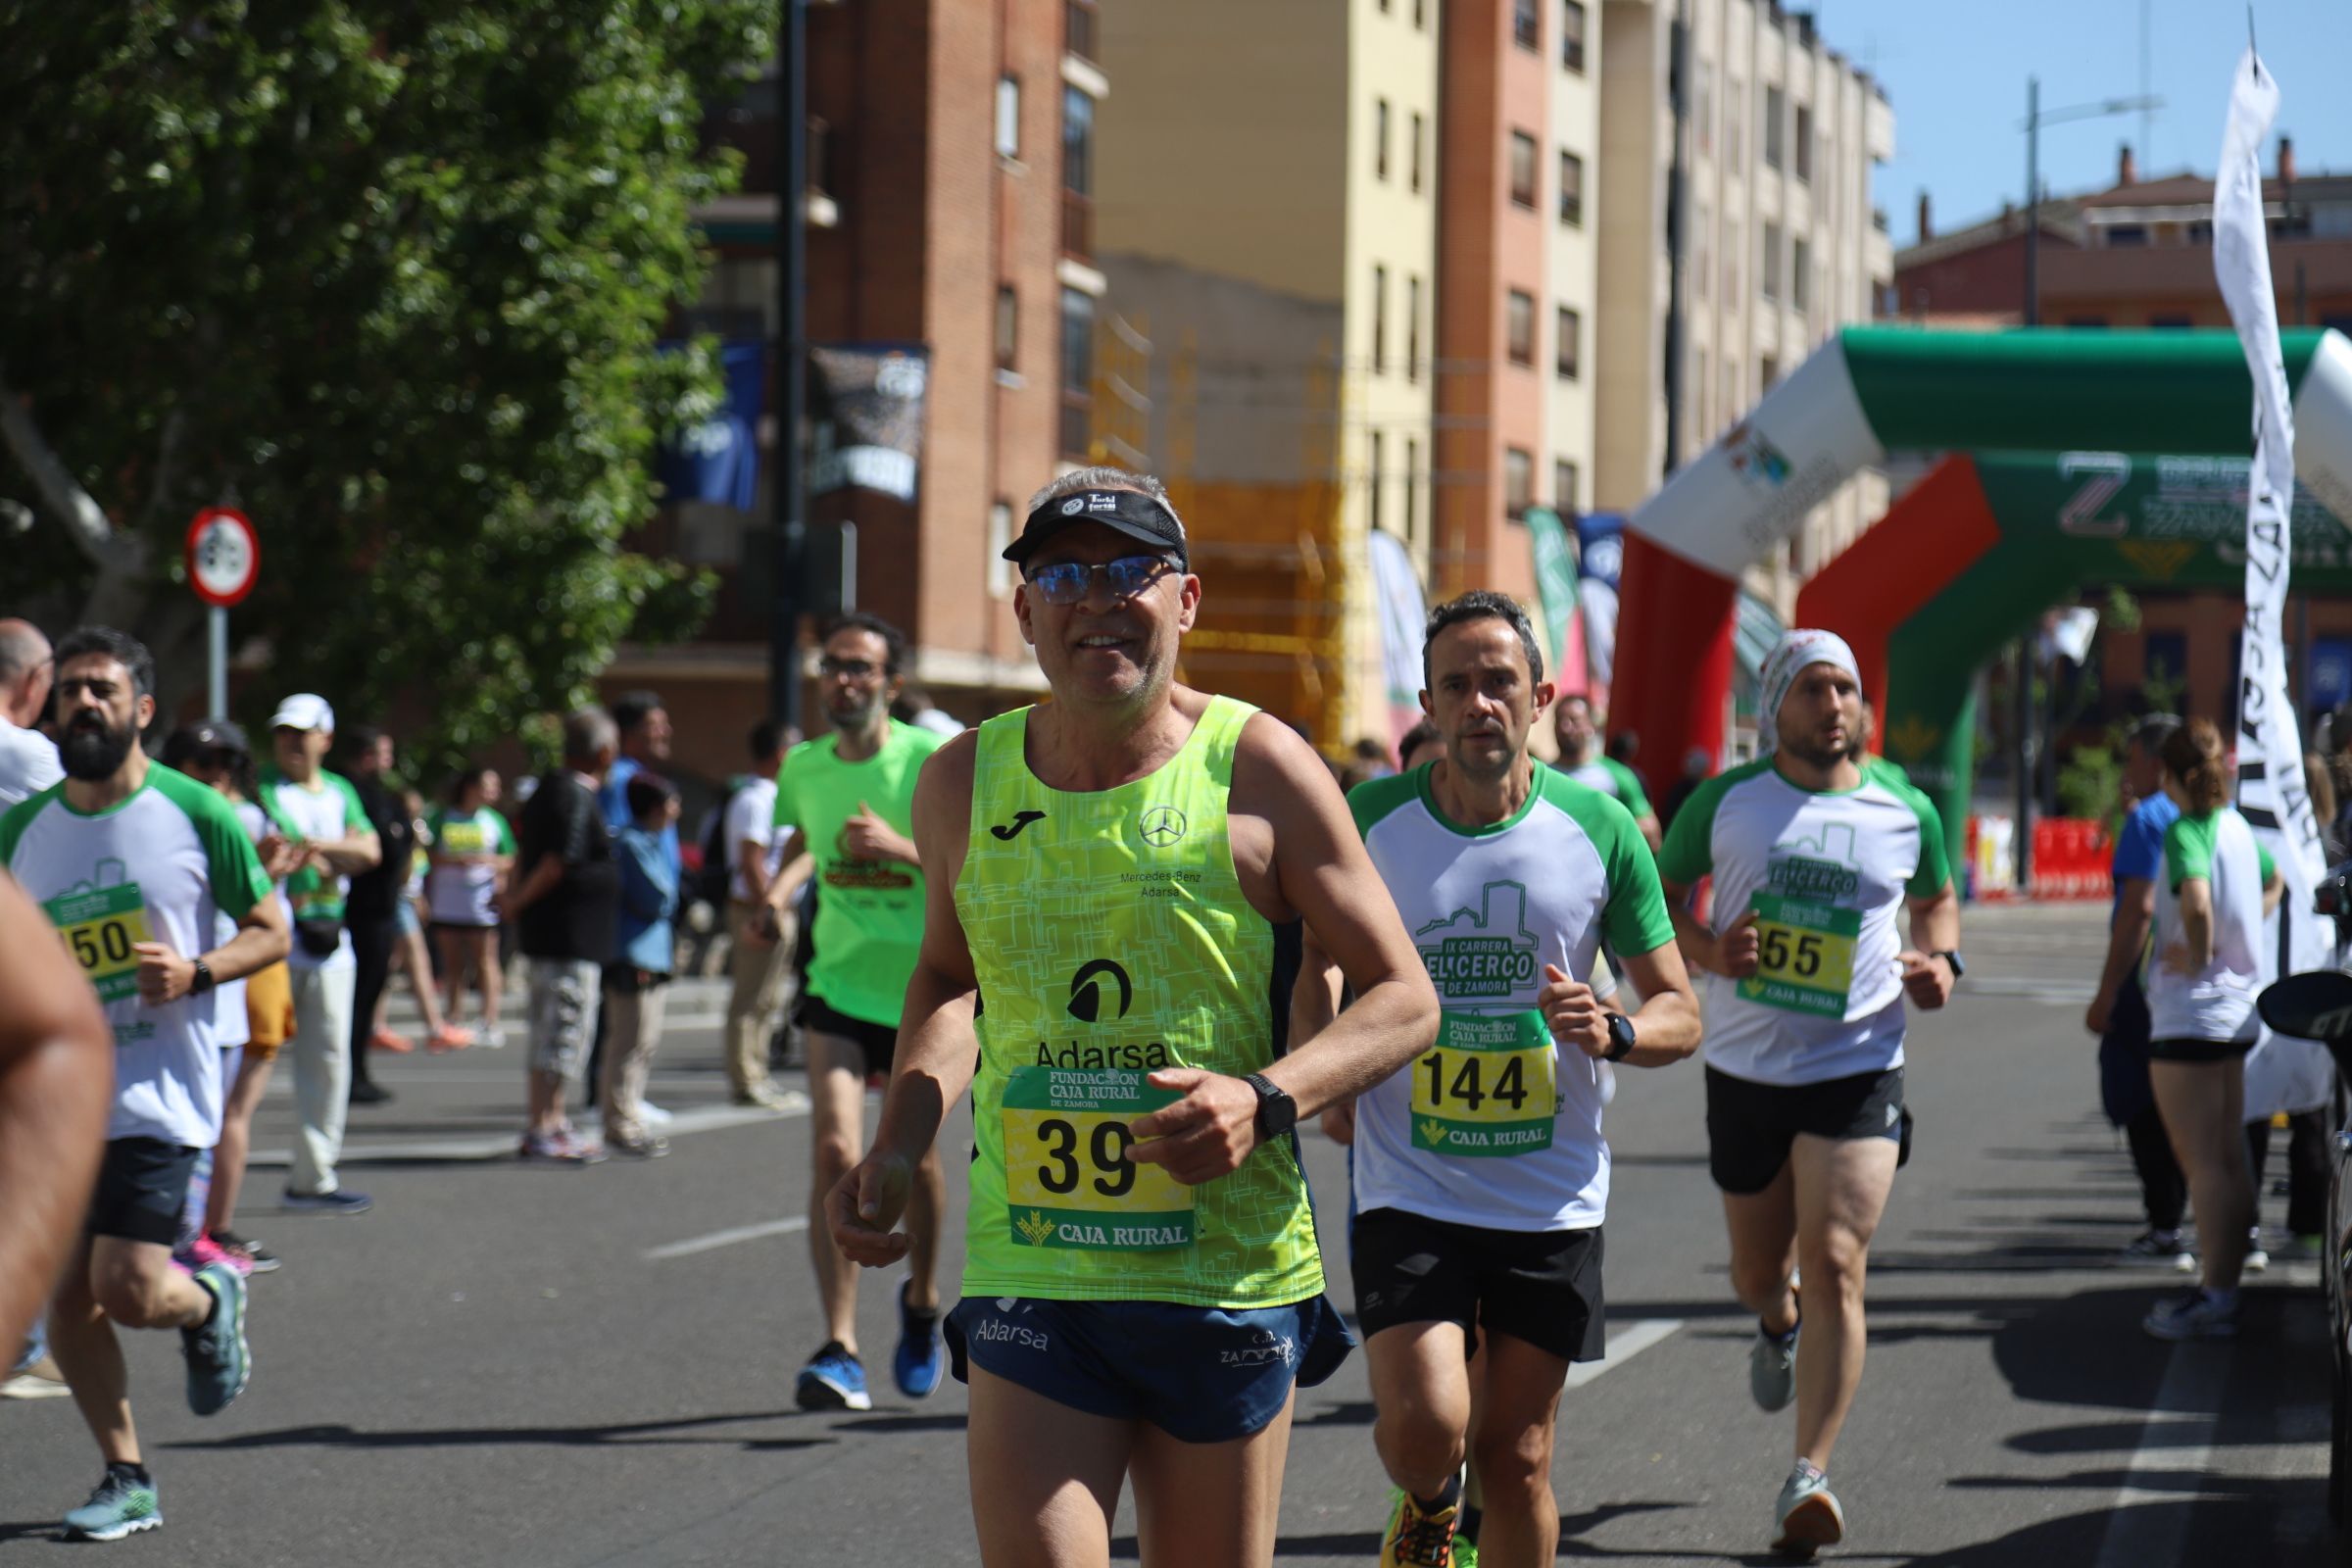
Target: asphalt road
553	1366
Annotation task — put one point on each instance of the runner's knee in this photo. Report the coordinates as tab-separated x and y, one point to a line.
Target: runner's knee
1758	1281
835	1154
1421	1449
1515	1461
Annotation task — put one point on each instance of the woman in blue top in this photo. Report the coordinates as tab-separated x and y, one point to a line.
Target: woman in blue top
646	953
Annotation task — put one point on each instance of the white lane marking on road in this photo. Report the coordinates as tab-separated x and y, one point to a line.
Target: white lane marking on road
491	1145
2057	993
727	1238
2177	1438
1630	1342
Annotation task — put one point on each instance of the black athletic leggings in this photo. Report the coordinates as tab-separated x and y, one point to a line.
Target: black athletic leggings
371	946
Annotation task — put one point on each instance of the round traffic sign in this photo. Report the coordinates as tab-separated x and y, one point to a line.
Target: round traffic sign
224	555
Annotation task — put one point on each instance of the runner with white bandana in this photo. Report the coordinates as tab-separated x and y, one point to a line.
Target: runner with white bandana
1481	1174
1812	854
132	861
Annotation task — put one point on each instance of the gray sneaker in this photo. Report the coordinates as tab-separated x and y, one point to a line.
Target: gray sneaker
2194	1316
1771	1369
218	1364
1807	1515
119	1507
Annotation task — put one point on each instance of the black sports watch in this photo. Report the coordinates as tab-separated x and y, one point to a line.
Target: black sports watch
202	981
1951	955
1277	1112
1621	1037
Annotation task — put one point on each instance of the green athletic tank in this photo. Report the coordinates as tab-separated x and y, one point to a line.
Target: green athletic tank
1110	937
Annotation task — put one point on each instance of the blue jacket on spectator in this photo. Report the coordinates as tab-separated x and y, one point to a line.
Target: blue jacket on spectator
649	902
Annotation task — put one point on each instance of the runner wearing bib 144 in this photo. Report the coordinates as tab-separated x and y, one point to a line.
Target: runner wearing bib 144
1813	854
1122	873
1481	1174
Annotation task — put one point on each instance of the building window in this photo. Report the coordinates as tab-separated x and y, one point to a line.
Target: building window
1421	15
1732	247
2126	234
1522	168
1564	478
1380	138
2088	321
1419	130
1702	110
1372	482
1077	173
1735	396
1008	117
1520	327
1768	270
1000	535
1805	142
1527	25
1775	107
1701	258
1572	190
1077	370
1518	482
1412	329
1572	35
1735	122
1800	274
1379	319
1768	373
1412	490
1700	390
1568	351
2169	321
1078	20
1008	325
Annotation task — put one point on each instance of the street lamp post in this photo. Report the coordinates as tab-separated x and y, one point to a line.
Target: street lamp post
2022	698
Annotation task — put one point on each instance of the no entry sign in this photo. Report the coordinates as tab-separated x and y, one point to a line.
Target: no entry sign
225	556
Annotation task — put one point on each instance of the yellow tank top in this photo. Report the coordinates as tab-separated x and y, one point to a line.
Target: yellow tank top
1110	938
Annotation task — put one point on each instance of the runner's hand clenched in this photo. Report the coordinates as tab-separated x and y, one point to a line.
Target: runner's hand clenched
1574	1015
865	1207
1737	948
1207	1134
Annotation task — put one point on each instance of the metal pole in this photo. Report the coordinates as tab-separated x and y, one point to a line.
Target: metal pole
2023	705
215	674
1677	229
791	367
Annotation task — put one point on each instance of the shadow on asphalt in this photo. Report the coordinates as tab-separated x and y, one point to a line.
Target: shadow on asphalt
625	1435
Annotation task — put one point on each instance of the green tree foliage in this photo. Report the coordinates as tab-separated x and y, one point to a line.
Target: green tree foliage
389	275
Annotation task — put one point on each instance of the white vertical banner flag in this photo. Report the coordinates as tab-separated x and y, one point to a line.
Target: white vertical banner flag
2281	1074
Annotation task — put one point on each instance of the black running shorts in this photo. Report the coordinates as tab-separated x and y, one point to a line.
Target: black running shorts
1543	1287
142	1186
1752	1126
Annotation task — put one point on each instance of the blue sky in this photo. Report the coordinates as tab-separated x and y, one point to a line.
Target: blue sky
1956	75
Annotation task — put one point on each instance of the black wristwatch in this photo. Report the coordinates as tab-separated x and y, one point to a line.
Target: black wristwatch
201	980
1621	1037
1951	955
1277	1112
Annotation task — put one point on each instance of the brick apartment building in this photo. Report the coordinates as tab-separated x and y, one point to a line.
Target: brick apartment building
950	206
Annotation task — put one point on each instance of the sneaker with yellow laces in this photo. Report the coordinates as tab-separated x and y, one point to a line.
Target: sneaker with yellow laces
1420	1536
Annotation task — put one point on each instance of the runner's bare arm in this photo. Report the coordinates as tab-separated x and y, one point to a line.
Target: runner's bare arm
1732	952
262	940
56	1080
937	1047
1935	928
1665	1029
357	850
2193	950
1298	856
537	883
1314	1003
2134	911
793	867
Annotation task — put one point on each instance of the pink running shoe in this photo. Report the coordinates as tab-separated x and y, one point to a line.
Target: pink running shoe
206	1251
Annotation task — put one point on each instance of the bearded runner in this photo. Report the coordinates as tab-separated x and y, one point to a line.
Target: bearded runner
1812	854
1482	1178
1118	874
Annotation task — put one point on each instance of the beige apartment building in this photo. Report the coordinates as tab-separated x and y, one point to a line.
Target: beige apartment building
1736	233
1267	219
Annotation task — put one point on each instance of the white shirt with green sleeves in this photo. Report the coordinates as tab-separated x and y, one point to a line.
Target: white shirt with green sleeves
160	865
323	810
1827	874
2215	1003
1497	1125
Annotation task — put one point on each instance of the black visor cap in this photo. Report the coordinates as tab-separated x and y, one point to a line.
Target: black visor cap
1132	512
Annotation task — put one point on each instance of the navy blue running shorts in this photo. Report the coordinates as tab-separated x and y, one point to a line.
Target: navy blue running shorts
1202	1374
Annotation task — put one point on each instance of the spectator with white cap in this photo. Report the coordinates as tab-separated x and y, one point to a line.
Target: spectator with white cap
322	812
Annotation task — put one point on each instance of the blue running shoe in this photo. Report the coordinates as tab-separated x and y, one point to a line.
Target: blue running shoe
833	1380
121	1507
218	1364
921	1359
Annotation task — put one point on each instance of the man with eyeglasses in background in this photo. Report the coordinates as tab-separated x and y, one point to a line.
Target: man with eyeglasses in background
847	801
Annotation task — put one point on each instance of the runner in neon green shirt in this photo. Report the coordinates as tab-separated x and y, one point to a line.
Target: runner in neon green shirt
847	801
1123	874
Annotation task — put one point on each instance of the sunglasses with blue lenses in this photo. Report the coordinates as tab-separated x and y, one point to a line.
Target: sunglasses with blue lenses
1067	582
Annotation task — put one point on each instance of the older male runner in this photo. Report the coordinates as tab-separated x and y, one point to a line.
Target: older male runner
1812	854
134	863
1120	875
1481	1174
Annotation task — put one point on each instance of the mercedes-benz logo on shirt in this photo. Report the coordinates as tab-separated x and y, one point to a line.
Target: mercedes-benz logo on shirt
1162	826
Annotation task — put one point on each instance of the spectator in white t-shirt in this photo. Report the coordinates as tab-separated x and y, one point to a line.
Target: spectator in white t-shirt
759	963
28	764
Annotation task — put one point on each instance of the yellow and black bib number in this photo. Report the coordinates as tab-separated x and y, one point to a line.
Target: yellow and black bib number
1490	1086
1069	1181
102	929
1805	955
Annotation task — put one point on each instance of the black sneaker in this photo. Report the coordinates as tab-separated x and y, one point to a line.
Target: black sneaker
369	1093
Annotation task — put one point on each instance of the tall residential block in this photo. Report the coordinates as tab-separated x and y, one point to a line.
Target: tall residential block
1518	281
1736	233
1267	219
